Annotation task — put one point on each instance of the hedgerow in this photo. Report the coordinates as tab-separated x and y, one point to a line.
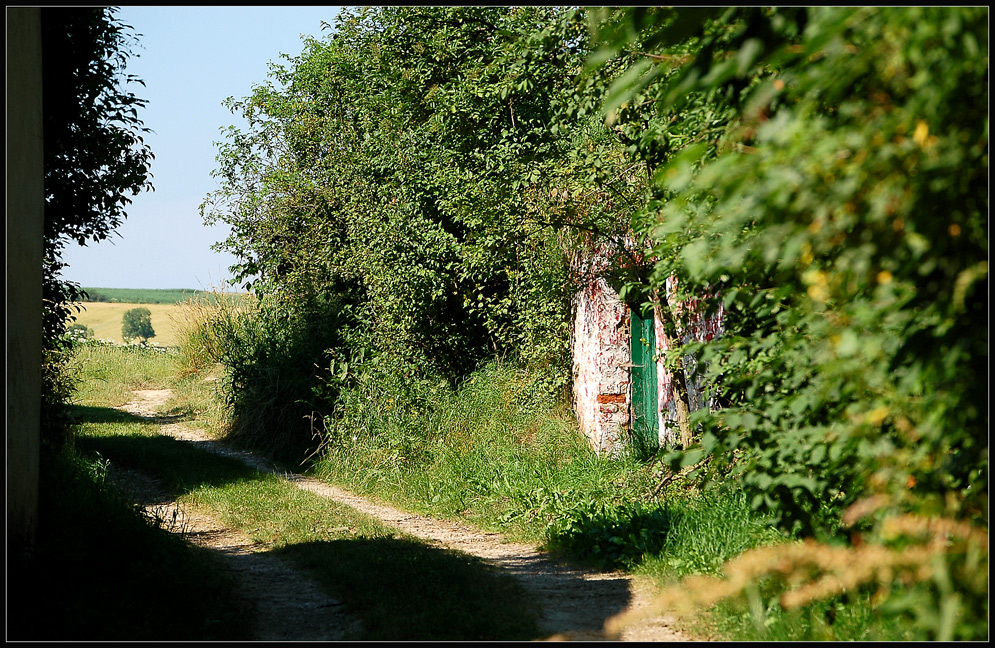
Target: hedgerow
432	178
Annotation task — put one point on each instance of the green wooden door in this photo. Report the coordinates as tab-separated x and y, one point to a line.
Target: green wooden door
645	415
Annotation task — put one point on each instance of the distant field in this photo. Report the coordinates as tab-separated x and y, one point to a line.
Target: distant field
106	319
144	296
106	316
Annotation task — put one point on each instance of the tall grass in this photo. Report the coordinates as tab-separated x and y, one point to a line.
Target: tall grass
204	327
496	450
680	535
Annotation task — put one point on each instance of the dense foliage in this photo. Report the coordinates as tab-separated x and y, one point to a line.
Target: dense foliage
839	215
841	219
435	182
400	163
432	178
396	177
94	155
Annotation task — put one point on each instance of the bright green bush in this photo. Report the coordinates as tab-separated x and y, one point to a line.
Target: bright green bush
413	143
841	221
275	393
838	215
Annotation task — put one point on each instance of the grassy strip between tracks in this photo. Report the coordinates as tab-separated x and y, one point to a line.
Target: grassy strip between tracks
381	575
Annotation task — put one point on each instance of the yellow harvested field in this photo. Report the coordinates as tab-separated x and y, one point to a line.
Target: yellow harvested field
106	319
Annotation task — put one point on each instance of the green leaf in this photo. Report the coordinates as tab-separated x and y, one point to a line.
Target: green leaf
627	86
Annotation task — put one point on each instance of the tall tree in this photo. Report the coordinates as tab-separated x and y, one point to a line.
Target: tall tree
94	155
406	174
137	323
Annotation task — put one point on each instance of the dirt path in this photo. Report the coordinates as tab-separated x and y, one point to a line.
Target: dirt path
575	603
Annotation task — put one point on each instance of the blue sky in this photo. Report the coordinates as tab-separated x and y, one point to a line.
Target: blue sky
191	59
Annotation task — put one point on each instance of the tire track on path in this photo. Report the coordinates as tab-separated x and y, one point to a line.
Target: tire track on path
574	603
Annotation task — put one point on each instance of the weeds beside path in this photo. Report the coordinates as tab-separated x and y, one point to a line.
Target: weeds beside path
574	603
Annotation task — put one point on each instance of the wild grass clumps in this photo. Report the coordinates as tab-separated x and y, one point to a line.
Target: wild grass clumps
275	393
490	449
678	536
206	325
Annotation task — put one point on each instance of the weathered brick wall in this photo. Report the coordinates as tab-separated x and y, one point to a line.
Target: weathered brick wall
600	365
601	361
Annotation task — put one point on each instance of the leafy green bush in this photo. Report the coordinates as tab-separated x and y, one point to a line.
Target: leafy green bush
275	393
413	180
839	218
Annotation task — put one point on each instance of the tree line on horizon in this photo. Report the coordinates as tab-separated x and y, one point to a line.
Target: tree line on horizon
140	295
